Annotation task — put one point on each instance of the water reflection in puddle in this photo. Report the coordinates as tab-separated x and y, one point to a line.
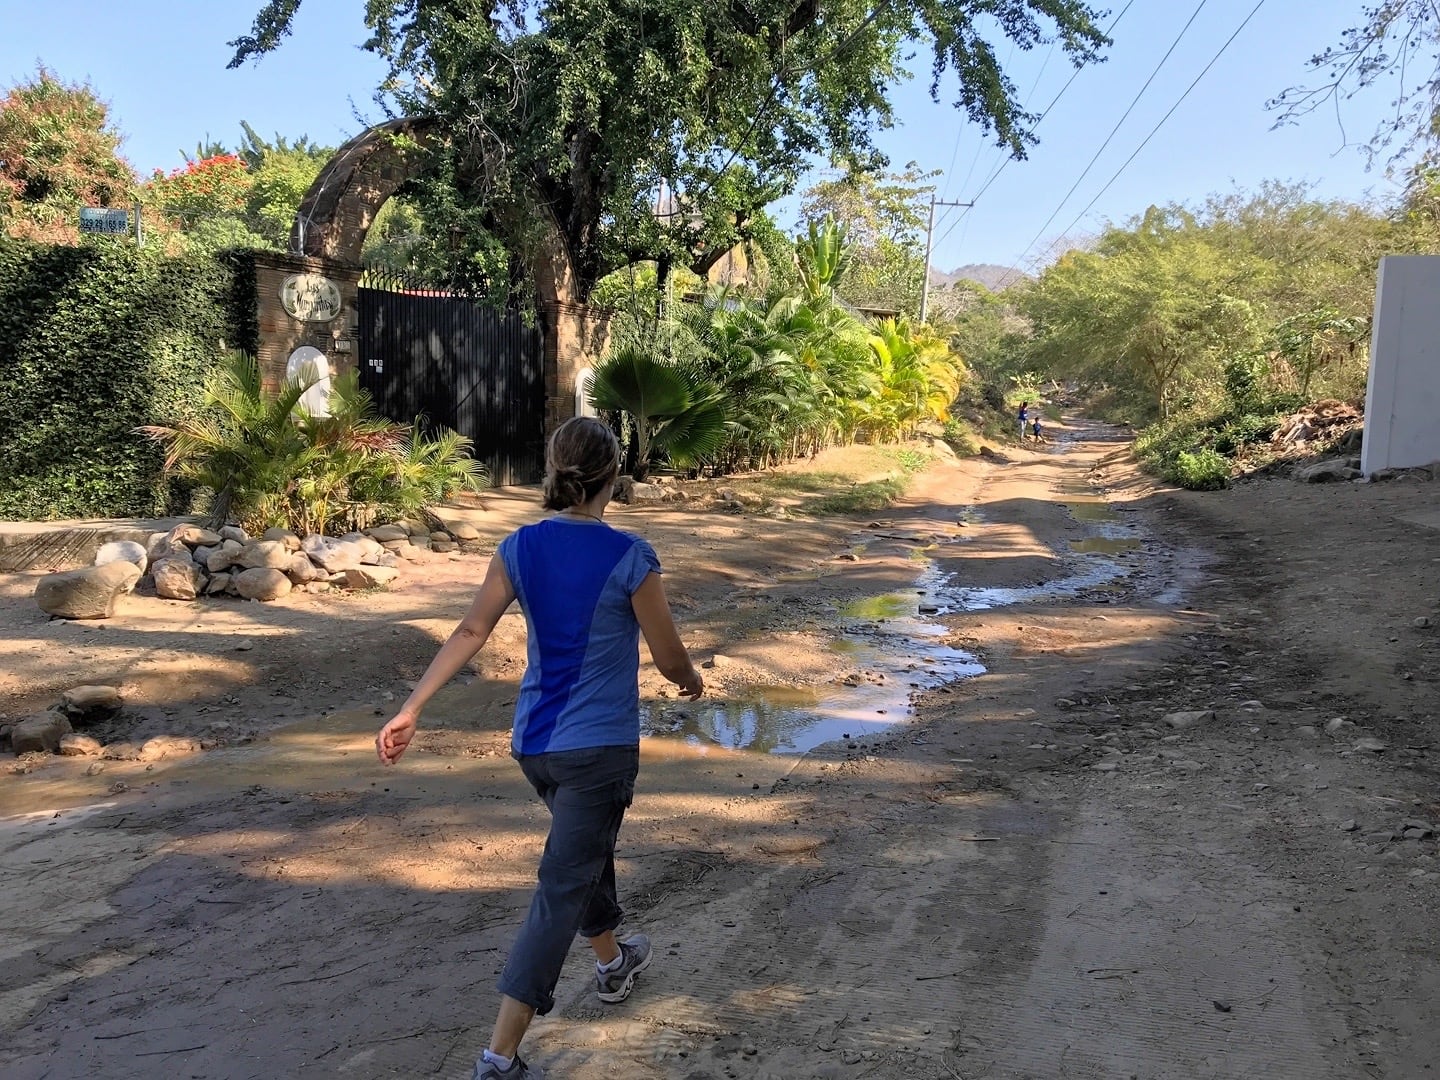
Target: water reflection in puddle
1104	545
897	658
1091	511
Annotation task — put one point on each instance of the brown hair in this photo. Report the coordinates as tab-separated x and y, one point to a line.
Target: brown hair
582	458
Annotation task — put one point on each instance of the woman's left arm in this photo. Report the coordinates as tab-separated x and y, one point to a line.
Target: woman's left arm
495	595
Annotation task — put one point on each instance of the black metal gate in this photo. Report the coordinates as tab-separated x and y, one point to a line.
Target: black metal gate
455	363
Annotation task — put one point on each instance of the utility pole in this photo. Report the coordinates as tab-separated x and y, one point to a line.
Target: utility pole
929	240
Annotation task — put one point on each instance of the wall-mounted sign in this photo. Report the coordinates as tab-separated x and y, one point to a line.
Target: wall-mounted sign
310	297
106	222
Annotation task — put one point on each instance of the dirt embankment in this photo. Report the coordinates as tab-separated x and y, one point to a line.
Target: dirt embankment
1048	872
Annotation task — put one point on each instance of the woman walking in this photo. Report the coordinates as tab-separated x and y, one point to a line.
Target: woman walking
586	591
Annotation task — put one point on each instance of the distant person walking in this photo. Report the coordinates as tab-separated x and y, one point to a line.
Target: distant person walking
587	591
1024	416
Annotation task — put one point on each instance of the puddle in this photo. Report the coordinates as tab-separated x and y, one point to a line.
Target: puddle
898	658
889	606
1091	511
1104	545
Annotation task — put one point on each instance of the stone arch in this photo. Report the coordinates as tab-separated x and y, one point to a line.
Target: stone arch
328	237
341	205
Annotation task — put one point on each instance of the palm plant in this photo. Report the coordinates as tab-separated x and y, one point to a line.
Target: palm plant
672	409
268	462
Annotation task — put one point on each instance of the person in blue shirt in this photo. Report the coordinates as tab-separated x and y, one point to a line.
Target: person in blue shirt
1023	416
587	592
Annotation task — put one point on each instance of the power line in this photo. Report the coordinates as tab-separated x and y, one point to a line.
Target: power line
1156	129
1008	158
1118	124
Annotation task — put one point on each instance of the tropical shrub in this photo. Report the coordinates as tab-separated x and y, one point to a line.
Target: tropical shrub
264	461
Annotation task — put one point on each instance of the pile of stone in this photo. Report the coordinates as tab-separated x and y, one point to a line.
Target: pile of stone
1330	423
62	730
190	562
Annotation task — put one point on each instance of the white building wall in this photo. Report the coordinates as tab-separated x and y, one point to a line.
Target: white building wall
1402	401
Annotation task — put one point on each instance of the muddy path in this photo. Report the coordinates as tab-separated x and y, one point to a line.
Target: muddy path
993	858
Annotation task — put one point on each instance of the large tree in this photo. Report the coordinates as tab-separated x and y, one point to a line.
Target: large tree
561	121
58	152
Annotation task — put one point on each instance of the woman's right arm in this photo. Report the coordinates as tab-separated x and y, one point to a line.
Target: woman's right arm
495	595
652	611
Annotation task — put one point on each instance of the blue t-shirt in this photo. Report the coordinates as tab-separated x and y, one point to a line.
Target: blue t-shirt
574	581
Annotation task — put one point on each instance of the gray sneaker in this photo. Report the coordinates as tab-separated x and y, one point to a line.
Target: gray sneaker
518	1070
616	985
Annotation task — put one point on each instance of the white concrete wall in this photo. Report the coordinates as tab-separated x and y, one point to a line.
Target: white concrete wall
1402	402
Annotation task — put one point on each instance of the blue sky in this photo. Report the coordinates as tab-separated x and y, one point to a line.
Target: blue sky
161	65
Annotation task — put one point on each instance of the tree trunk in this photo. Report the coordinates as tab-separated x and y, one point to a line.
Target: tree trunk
575	334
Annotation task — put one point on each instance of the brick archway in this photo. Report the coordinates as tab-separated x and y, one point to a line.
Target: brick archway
328	237
342	203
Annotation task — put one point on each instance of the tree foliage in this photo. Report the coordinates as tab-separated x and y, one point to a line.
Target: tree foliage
242	198
1395	43
58	152
884	216
587	110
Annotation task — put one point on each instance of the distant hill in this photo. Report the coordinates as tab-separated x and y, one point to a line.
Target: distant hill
988	274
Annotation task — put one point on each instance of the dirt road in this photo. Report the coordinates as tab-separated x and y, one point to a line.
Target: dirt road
1034	876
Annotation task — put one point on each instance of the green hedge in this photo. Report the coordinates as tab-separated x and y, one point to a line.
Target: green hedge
96	340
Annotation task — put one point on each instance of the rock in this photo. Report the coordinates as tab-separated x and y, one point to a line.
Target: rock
1422	623
91	704
1182	720
193	536
1371	746
158	546
40	733
370	577
265	555
281	536
302	571
1324	472
389	559
1307	732
418	528
372	548
1337	724
1416	834
235	533
631	491
164	746
333	555
201	555
1350	826
177	579
219	583
121	751
244	645
1106	766
262	583
463	530
90	593
123	551
395	547
420	543
386	533
443	547
440	536
718	661
75	745
225	556
1064	703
